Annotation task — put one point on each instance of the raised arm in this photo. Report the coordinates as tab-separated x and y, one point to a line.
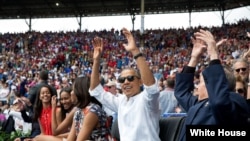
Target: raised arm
146	74
98	47
95	89
183	87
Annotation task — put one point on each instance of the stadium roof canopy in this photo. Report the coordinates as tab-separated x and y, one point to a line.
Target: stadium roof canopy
22	9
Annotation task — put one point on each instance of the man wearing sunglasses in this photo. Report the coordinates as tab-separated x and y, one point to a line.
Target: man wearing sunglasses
138	111
241	68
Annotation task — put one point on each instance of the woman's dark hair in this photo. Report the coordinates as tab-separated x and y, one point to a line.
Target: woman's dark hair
65	111
81	90
38	104
241	80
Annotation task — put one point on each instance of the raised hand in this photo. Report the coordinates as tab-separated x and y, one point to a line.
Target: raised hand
209	40
98	47
131	46
198	47
221	42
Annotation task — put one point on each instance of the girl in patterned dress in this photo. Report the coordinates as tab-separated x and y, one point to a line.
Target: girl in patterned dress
90	120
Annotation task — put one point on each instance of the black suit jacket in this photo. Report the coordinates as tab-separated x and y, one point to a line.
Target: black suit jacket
221	108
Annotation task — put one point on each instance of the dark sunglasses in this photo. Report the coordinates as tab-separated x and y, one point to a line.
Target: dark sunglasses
242	69
240	90
129	78
109	87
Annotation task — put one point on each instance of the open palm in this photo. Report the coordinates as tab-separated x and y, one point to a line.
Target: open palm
131	42
98	47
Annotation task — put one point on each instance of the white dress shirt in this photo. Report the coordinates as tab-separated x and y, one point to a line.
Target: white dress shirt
138	116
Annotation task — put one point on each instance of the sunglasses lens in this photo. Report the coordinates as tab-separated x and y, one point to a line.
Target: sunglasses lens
242	69
121	79
240	90
130	78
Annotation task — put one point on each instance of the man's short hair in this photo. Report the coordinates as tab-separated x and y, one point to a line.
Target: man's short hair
44	75
171	82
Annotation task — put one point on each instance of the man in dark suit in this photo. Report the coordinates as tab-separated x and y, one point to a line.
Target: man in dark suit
216	103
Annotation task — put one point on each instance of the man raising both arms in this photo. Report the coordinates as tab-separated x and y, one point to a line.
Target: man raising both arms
138	111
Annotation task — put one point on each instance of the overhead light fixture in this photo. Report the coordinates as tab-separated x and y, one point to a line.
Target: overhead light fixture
57	4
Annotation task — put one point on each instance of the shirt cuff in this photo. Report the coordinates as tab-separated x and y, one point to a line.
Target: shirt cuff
188	69
214	62
97	90
152	89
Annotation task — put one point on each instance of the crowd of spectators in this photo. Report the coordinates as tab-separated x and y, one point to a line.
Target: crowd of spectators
67	55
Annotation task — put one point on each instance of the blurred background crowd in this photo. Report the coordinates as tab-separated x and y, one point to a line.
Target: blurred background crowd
67	55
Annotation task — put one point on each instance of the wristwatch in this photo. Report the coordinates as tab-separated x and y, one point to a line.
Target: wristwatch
138	55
